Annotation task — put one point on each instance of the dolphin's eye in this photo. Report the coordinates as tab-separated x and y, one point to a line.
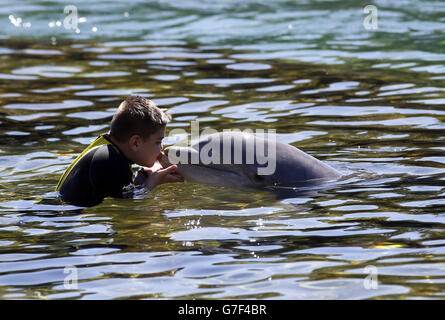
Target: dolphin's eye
258	177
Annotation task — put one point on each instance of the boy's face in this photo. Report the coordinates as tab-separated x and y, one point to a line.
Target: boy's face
149	149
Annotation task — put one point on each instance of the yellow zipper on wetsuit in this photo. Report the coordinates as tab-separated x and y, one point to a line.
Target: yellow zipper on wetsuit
100	141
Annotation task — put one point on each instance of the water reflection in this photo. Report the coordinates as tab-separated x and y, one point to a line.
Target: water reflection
383	130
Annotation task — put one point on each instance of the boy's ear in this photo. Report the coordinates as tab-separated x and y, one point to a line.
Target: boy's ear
134	142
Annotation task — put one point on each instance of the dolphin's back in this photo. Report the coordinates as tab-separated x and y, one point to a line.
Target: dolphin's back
294	165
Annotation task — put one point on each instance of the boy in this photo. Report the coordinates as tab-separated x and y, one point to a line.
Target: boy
104	168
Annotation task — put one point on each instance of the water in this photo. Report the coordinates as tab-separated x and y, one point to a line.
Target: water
368	102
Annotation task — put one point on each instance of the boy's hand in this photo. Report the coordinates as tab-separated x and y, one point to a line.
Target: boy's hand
158	175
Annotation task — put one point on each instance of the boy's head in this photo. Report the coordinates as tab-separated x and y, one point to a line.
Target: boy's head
138	126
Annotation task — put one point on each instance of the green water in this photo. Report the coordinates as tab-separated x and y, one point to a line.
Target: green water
369	103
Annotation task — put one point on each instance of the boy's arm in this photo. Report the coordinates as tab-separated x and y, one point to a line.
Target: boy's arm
158	175
146	180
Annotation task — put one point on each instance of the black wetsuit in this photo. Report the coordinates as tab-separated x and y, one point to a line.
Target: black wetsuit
104	171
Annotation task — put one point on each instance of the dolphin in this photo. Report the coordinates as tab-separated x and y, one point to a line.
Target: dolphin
241	159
